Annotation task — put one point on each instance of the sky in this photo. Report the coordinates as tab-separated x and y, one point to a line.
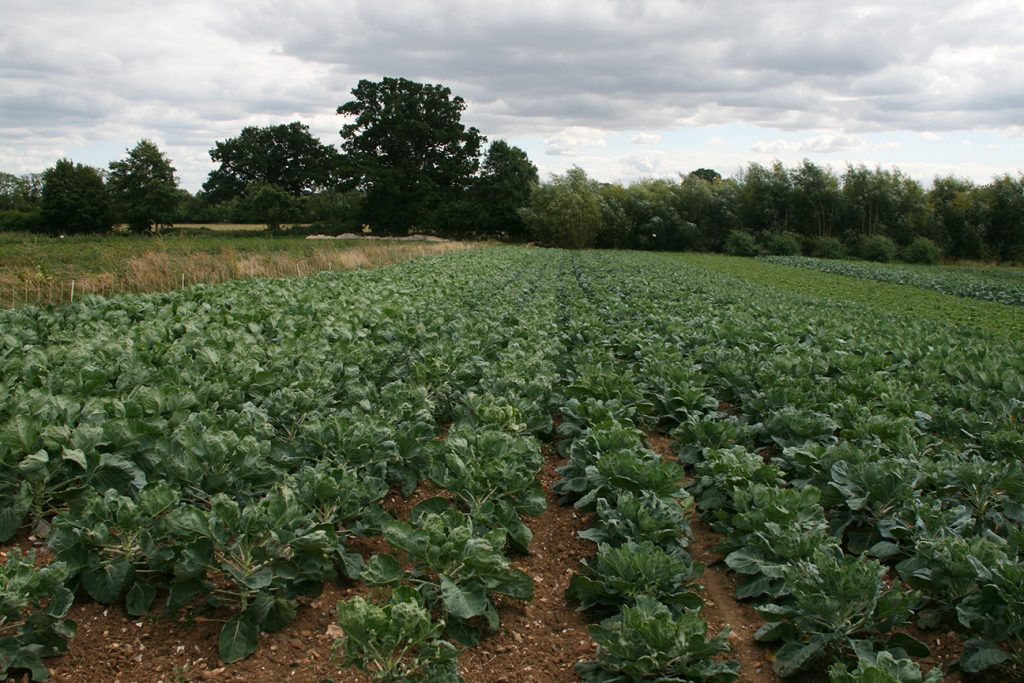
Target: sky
624	89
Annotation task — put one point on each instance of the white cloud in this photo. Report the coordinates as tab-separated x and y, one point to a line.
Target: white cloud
645	164
570	141
820	144
646	139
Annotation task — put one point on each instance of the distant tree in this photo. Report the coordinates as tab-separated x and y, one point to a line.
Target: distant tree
765	198
74	199
617	229
143	188
816	199
285	155
959	212
20	193
707	174
869	199
20	202
566	211
657	224
507	179
1005	195
408	150
269	204
711	206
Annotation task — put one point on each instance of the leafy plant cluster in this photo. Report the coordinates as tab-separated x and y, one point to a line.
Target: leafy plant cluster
642	581
818	446
825	447
34	604
449	556
223	454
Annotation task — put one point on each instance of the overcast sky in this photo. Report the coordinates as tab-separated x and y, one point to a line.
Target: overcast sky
622	88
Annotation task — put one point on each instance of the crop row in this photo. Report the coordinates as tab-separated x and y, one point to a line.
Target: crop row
1001	286
642	583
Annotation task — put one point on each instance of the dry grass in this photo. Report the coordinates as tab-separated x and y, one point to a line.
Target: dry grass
159	271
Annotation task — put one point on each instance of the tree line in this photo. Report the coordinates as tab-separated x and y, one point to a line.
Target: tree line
871	213
407	163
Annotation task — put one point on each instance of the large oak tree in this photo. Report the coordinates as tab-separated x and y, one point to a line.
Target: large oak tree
285	155
408	150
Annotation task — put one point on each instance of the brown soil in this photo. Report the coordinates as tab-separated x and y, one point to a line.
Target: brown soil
540	641
721	609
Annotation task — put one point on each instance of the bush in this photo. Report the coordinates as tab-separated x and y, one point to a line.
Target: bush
22	221
922	250
826	247
783	244
876	248
741	243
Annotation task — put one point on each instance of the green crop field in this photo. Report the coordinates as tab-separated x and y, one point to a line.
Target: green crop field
399	438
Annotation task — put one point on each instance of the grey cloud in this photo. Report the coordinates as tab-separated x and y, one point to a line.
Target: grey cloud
612	63
192	69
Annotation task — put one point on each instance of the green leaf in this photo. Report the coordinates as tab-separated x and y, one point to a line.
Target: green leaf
382	570
237	640
980	655
911	645
515	584
463	603
885	550
106	582
793	657
26	658
10	522
34	463
183	591
139	598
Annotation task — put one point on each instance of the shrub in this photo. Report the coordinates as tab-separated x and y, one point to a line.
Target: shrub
876	248
826	247
783	244
741	243
14	220
922	250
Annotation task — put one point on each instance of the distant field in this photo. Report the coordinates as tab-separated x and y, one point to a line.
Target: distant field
34	268
1000	284
902	299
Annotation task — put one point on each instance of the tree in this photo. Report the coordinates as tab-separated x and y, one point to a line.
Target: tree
74	199
285	155
20	193
566	211
765	198
707	174
20	202
408	150
507	179
816	199
958	210
1005	196
269	204
711	206
143	188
